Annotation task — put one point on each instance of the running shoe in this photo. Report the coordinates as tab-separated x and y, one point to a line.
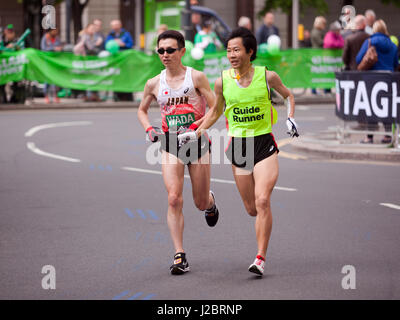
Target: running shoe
257	266
180	265
212	213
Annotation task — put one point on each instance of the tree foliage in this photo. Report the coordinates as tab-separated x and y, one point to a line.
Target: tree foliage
395	2
286	6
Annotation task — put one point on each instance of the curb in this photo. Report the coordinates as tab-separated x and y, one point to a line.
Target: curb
133	105
337	151
67	105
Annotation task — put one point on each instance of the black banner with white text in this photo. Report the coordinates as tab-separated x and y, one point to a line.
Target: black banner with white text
368	96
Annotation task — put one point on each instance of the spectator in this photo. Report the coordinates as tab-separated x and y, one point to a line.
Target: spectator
9	37
318	32
333	39
91	40
371	17
388	59
306	42
196	22
50	42
245	22
89	43
9	40
267	29
125	41
79	48
317	37
385	48
161	29
99	34
120	35
352	44
196	25
206	39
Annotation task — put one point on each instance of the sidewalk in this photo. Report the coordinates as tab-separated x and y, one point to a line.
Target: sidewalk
70	103
326	144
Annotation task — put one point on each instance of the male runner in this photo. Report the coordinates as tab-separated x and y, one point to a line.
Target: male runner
245	90
182	94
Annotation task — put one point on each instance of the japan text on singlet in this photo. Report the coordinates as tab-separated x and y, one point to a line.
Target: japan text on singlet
179	107
249	111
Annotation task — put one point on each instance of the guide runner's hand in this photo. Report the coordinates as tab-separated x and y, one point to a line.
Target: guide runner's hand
187	135
292	127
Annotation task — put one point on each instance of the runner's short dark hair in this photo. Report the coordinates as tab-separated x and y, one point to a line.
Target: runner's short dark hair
248	39
172	34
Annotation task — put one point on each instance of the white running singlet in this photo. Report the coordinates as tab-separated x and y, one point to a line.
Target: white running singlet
179	107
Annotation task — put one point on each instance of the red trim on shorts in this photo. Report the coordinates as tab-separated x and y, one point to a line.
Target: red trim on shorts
273	138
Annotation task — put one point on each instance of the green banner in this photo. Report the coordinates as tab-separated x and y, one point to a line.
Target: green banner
305	68
300	68
128	71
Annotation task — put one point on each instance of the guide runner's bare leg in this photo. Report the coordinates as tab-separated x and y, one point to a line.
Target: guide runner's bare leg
265	176
245	185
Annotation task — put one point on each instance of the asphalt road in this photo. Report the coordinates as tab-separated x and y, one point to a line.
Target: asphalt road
70	199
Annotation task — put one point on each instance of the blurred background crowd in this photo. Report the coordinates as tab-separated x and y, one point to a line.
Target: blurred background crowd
131	24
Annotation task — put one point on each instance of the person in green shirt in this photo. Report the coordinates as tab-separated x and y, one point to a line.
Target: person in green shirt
207	39
244	90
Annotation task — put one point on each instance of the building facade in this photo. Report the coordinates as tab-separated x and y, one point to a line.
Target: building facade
131	12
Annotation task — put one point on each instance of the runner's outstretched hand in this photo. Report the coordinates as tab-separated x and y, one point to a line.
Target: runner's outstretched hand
187	135
292	127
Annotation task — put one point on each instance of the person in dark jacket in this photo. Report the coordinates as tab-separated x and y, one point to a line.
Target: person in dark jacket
354	42
388	60
352	46
267	29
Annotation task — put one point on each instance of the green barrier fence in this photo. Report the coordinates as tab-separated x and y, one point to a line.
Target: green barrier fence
128	71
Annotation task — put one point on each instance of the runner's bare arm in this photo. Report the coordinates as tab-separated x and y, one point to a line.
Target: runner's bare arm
275	82
215	110
203	86
148	97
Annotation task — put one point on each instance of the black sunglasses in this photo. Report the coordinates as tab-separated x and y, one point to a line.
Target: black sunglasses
168	50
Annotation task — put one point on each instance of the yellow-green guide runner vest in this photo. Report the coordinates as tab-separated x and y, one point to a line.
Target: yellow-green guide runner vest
249	111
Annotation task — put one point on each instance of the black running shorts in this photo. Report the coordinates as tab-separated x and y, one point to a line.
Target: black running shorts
247	152
189	152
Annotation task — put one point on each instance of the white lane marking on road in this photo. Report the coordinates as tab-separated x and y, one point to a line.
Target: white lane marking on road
33	130
141	170
188	177
390	205
303	108
31	146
